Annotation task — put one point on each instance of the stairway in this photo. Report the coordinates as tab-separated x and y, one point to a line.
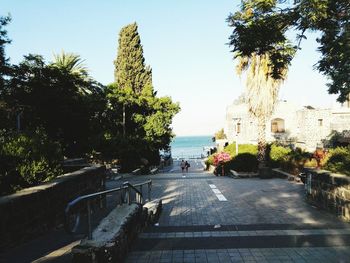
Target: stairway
243	243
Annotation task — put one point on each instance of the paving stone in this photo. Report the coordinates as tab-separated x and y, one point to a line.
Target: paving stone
190	202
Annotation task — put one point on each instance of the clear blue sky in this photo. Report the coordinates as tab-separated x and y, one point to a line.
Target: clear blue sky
184	42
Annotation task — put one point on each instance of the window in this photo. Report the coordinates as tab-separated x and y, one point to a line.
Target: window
277	125
238	128
320	122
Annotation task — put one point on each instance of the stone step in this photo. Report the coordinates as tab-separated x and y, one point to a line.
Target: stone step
232	255
243	227
304	232
271	241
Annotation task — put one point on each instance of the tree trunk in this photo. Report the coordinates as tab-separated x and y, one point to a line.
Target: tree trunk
264	171
261	141
124	128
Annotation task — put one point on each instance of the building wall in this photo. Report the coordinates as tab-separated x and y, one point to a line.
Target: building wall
308	127
314	126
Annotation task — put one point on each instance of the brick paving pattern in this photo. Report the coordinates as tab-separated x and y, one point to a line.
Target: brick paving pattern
192	213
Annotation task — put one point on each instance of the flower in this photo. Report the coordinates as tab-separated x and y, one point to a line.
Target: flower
221	158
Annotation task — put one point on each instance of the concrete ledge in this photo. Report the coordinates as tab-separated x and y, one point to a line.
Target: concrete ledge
136	171
112	238
153	209
211	168
154	170
241	175
282	174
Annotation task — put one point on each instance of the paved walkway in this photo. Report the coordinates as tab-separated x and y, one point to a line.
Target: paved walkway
220	219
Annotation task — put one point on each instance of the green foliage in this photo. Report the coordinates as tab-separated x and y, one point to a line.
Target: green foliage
277	155
220	135
130	69
338	160
140	119
260	27
243	162
148	120
337	139
4	67
71	63
245	153
70	111
242	148
295	161
28	159
51	97
209	161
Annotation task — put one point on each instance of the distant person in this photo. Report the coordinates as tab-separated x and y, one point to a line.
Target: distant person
183	165
187	165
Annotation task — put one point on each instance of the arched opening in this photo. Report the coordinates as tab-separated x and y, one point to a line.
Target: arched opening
277	125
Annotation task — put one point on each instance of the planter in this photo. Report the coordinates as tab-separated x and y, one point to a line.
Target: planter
265	172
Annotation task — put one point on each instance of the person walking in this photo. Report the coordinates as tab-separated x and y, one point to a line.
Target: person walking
183	165
187	165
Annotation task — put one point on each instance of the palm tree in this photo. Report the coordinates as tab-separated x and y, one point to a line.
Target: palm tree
261	93
71	63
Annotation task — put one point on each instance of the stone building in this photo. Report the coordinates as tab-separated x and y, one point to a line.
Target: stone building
304	127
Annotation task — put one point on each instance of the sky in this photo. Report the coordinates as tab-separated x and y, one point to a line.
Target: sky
184	41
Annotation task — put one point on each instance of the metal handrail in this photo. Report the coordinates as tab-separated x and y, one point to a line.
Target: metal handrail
126	188
139	195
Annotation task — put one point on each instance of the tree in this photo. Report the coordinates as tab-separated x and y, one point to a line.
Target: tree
4	66
261	94
260	27
263	79
130	70
220	134
49	97
71	63
4	71
144	127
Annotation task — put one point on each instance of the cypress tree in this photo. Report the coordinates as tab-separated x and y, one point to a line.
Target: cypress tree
130	70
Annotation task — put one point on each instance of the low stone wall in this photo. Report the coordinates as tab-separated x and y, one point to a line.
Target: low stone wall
112	238
72	165
329	191
32	211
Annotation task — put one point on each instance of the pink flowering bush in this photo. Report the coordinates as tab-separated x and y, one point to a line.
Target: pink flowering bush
221	158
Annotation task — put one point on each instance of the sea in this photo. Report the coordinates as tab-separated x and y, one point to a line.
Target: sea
190	146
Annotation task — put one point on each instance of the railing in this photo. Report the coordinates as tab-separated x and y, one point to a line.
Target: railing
180	157
74	208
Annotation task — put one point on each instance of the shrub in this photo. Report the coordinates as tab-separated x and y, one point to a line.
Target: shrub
221	158
27	160
295	161
338	160
277	154
243	162
311	163
210	161
242	148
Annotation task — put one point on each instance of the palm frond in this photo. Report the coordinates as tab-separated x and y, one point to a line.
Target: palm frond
71	63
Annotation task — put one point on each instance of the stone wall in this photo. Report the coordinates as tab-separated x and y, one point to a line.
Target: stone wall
32	211
72	165
313	127
329	191
308	126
